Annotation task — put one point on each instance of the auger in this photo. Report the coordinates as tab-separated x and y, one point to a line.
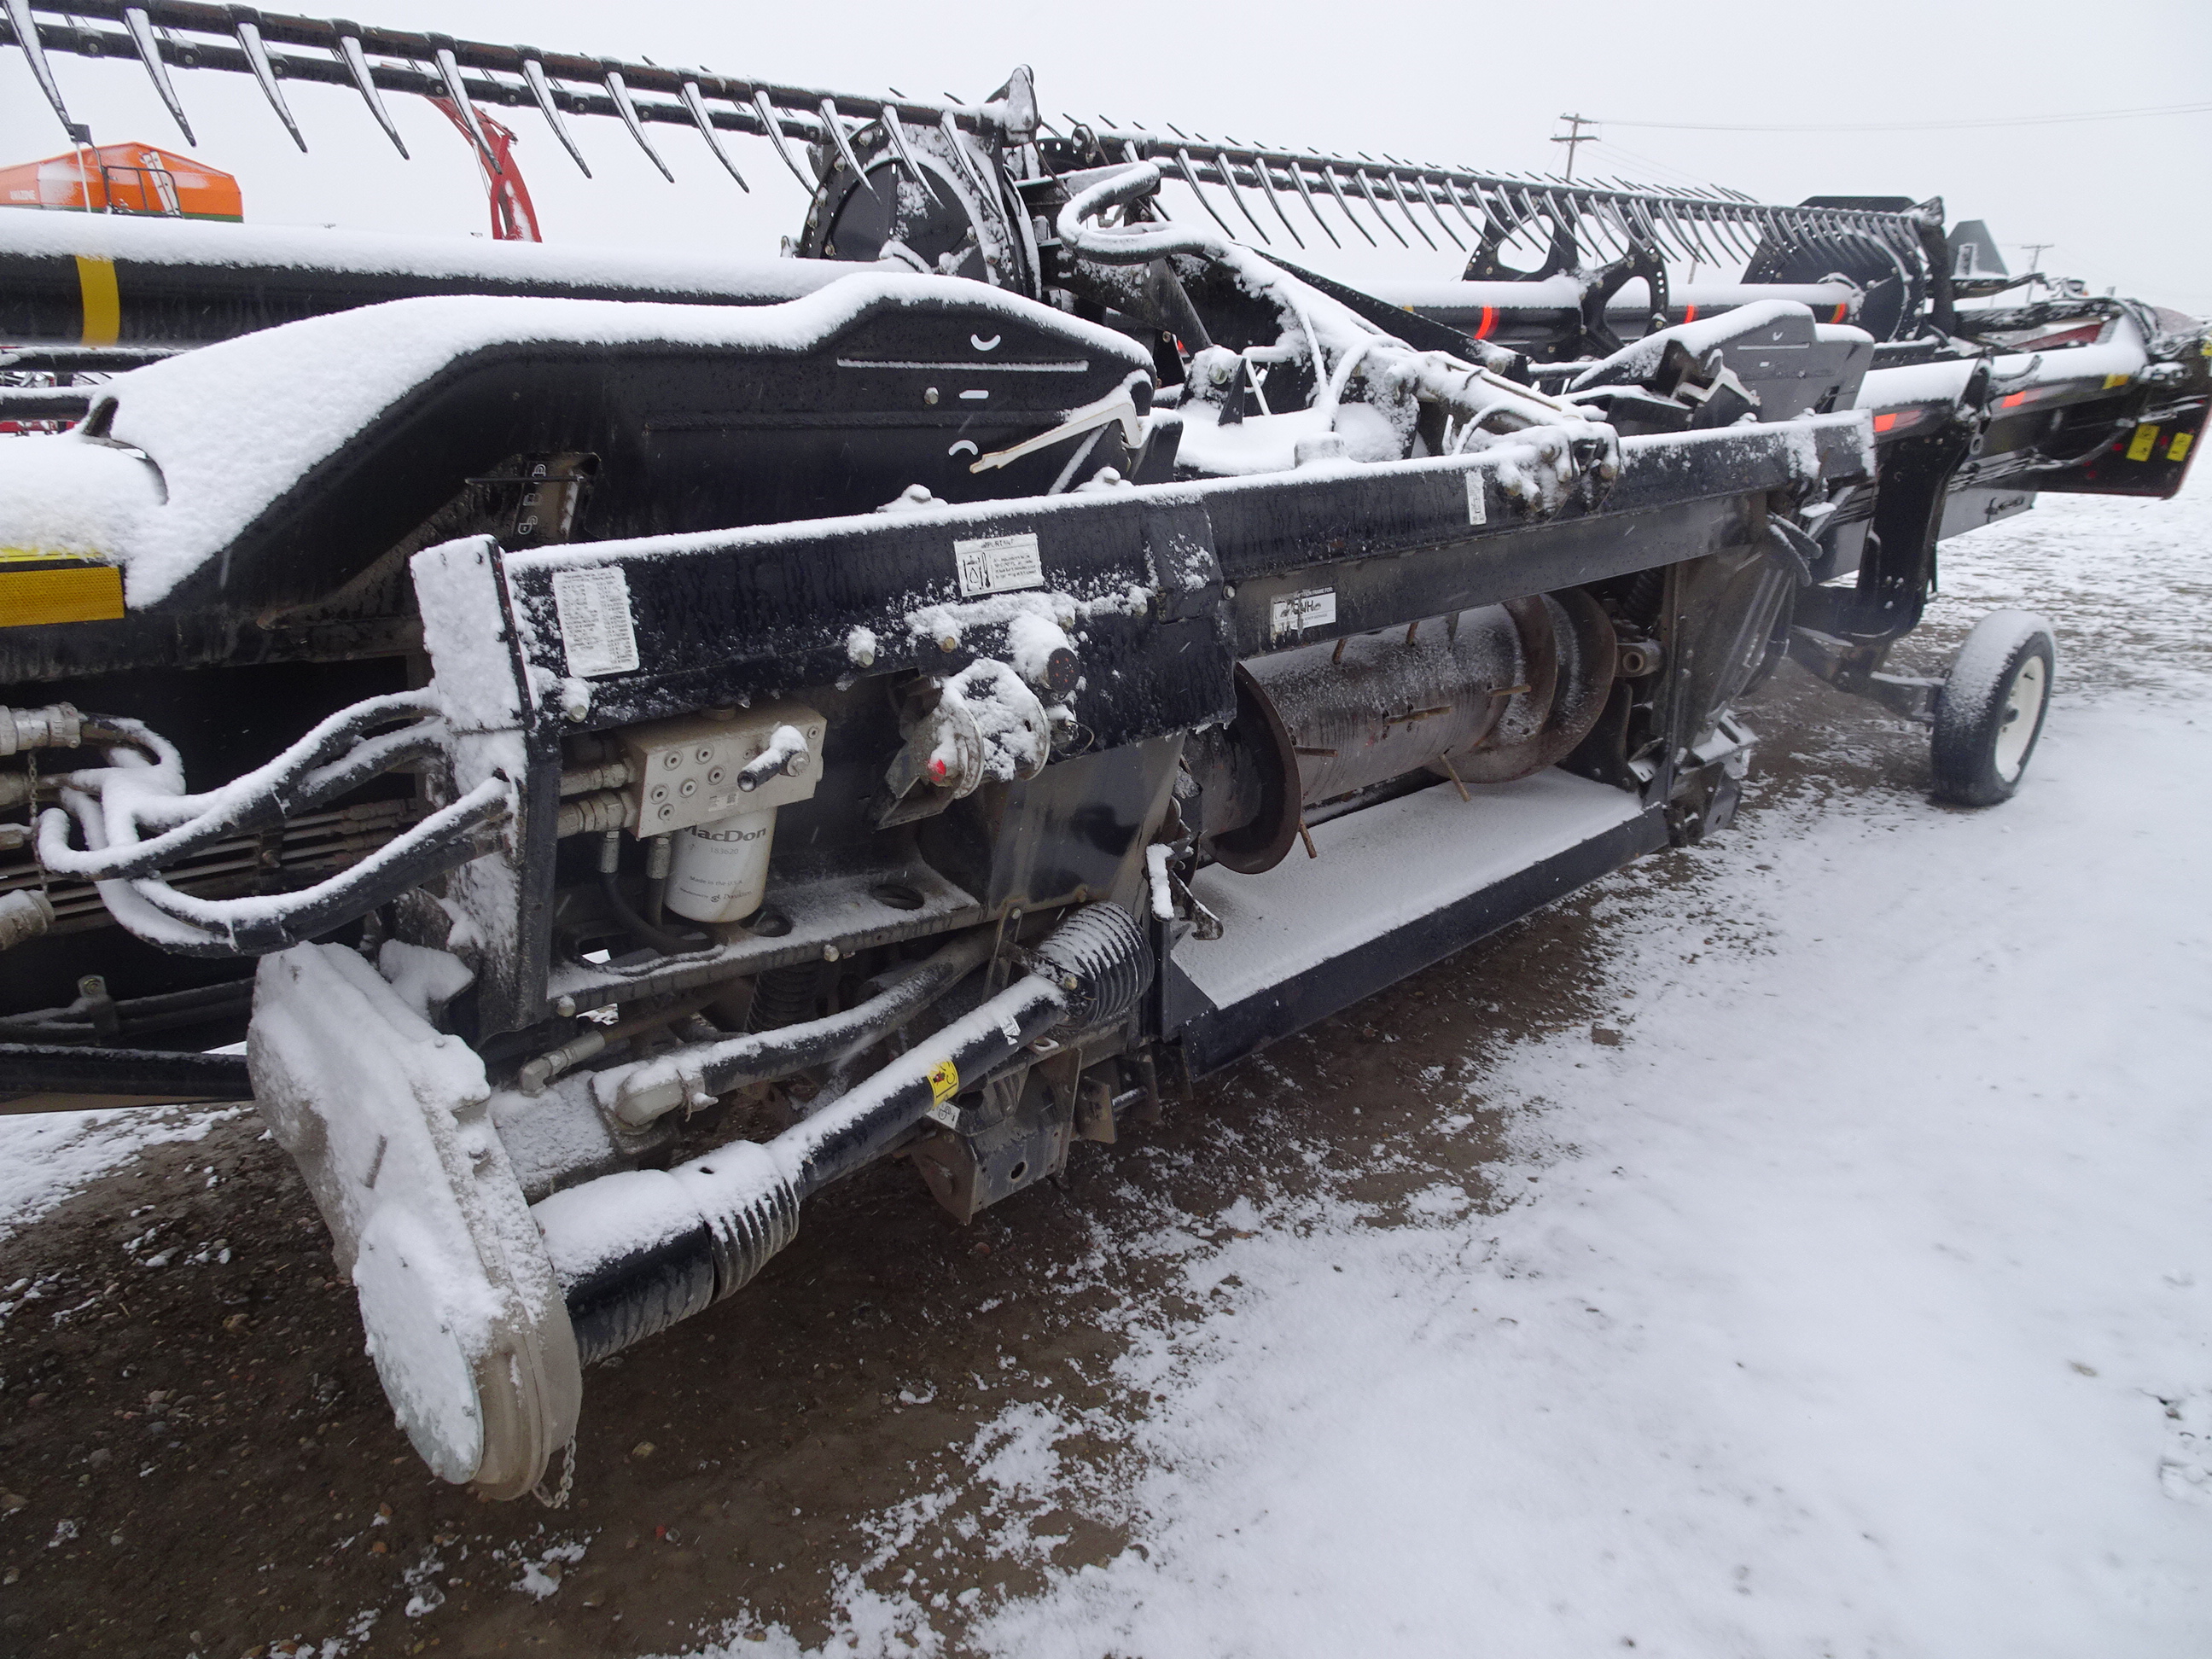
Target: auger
930	696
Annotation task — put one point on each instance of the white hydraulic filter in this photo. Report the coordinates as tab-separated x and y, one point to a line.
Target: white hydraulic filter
718	872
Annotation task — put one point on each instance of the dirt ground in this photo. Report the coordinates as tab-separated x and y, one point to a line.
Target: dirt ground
196	1459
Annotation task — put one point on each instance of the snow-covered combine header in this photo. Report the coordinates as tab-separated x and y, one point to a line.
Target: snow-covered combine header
929	698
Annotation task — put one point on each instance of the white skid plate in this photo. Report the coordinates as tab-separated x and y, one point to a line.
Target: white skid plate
387	1120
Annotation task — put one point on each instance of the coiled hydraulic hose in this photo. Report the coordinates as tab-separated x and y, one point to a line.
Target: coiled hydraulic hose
114	808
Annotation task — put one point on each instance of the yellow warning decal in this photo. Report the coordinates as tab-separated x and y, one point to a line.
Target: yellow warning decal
944	1080
37	588
2114	380
103	305
2145	440
2179	449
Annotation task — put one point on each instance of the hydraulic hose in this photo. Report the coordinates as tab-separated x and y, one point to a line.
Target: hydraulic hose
636	1252
259	925
639	1094
328	762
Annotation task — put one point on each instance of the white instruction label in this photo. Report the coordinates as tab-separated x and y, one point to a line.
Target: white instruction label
1293	613
998	564
593	606
1477	509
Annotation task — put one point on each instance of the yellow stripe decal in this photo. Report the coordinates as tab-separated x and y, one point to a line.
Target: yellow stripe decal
2179	449
2145	440
103	307
70	593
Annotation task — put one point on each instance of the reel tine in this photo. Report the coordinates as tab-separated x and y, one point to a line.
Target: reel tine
245	22
1298	178
1429	195
1451	190
449	71
1359	178
895	132
844	143
533	73
1190	178
356	65
1267	189
1684	234
1733	227
1406	206
1220	159
773	127
27	36
618	89
698	107
1328	178
149	53
1657	231
953	137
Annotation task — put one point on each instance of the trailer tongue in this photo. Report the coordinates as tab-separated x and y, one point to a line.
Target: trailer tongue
928	698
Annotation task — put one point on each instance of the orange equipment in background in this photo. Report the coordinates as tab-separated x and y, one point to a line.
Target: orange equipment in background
137	179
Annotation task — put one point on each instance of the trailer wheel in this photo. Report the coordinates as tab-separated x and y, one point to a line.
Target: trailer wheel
1989	712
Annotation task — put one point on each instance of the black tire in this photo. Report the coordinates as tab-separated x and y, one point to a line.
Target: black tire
1999	687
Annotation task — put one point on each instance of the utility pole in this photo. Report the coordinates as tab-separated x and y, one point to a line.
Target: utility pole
1574	137
2035	253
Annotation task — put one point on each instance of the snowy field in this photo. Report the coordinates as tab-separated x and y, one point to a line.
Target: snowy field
1853	1305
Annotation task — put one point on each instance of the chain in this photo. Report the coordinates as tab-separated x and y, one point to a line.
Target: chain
559	1500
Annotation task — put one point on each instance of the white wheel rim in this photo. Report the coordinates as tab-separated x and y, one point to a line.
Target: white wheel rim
2023	708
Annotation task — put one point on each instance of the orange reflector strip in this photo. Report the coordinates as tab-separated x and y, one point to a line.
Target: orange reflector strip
1884	422
2012	400
1489	322
1690	313
1841	309
39	589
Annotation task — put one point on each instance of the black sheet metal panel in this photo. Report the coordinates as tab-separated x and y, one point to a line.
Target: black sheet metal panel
1212	1037
49	1069
1398	542
688	437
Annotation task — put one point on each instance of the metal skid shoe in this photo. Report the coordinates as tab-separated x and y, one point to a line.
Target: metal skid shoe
388	1122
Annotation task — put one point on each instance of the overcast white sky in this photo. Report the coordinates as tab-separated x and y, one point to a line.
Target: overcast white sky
2123	202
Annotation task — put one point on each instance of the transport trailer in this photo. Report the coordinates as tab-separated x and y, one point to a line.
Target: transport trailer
626	744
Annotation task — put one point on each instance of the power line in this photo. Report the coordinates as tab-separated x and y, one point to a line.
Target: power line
1923	126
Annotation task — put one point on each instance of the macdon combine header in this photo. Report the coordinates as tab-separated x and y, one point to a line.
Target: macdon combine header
925	696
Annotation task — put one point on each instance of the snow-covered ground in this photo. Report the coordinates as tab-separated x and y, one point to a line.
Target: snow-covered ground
45	1158
1856	1304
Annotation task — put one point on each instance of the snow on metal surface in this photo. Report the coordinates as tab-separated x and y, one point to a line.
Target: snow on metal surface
1385	867
150	241
233	426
